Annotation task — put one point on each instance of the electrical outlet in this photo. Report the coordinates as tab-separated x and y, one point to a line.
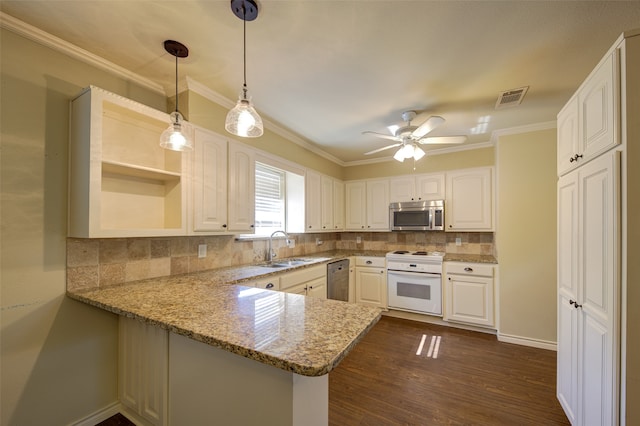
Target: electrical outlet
291	243
358	240
319	242
458	241
202	250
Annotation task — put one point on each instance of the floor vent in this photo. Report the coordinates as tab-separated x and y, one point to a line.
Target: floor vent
511	97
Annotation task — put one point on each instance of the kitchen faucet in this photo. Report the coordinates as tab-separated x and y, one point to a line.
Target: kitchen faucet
270	253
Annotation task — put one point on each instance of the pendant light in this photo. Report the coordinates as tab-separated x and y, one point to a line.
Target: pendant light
243	120
177	137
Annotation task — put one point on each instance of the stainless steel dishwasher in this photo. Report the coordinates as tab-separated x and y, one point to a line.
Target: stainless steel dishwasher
338	280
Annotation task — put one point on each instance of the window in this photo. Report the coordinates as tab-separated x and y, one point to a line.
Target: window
279	200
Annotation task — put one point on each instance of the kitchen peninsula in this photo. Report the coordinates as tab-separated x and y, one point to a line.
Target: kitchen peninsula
203	322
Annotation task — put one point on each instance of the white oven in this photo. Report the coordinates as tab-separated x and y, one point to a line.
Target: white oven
414	281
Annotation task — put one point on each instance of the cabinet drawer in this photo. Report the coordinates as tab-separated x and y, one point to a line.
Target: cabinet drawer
378	262
303	275
477	269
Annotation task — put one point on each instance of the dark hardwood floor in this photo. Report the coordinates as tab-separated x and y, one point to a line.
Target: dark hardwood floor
474	380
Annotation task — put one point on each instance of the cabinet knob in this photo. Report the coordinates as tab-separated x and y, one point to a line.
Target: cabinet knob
224	225
468	269
362	226
270	285
450	226
309	226
251	226
369	262
324	227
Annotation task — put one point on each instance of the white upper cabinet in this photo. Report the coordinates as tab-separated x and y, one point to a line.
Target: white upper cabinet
378	205
209	182
338	205
241	199
121	182
313	201
326	207
356	205
324	201
367	205
587	125
417	188
469	200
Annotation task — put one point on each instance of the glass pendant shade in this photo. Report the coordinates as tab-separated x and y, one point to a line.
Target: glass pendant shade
177	137
243	120
399	155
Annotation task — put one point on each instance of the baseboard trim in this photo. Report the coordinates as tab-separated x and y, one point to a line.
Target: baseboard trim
526	341
100	415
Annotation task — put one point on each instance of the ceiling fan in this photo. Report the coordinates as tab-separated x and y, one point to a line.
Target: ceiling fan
408	137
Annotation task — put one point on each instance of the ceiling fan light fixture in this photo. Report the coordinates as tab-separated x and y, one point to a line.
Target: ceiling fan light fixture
418	153
179	135
243	120
399	155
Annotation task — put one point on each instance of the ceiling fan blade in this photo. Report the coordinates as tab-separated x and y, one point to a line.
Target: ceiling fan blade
442	140
383	148
383	136
431	123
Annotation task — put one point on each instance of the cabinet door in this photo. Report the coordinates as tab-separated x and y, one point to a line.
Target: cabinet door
313	201
317	288
209	181
378	205
338	205
430	187
143	369
598	345
241	200
469	299
402	189
598	99
371	286
326	203
469	200
356	204
567	335
568	137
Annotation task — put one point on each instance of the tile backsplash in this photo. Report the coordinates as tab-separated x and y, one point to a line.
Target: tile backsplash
93	263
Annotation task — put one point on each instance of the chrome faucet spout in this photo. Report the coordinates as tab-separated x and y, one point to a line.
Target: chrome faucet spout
270	253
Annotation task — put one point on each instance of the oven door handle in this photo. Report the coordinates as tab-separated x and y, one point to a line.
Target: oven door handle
411	273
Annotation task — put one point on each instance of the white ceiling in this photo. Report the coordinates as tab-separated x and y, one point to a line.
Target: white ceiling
329	70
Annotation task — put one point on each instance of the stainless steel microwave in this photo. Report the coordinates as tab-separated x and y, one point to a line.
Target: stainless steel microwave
417	216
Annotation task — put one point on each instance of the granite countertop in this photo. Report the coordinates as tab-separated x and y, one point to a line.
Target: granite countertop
472	258
304	335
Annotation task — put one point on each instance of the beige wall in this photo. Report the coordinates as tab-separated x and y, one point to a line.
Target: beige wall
59	357
430	163
526	234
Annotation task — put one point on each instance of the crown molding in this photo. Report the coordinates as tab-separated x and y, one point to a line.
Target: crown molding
546	125
219	99
32	33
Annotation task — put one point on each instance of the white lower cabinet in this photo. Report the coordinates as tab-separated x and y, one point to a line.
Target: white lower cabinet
371	281
469	293
310	281
269	283
143	371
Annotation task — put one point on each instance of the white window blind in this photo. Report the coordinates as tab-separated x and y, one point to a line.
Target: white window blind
270	199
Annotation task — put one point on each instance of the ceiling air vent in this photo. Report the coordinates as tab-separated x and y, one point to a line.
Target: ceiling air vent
511	97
